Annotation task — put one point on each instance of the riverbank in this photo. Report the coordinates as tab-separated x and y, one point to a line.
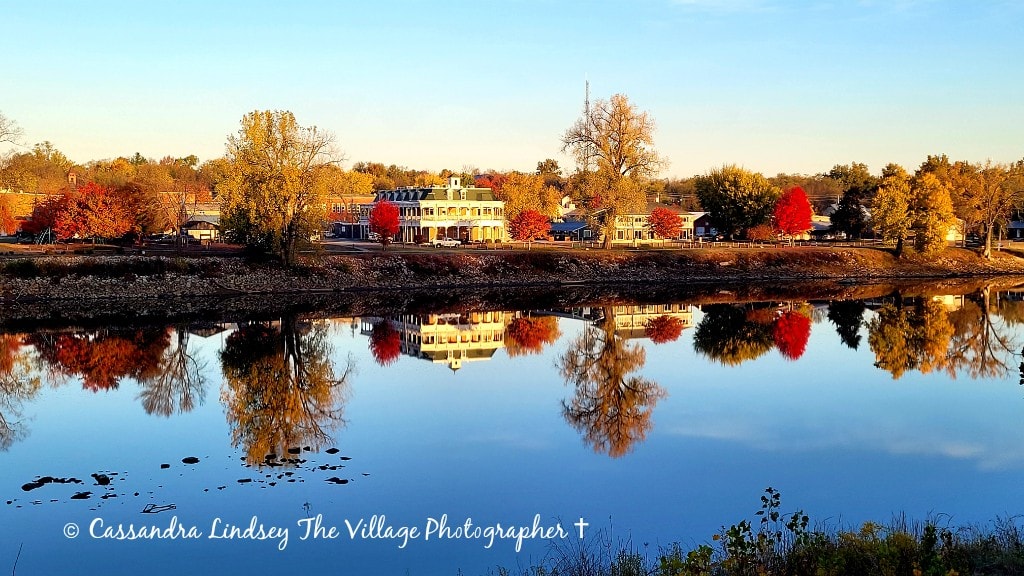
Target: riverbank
117	277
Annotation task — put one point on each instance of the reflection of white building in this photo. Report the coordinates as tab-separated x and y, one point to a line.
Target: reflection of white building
447	338
631	320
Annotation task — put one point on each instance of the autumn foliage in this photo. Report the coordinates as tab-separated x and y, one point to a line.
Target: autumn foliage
529	225
385	343
384	221
664	329
102	359
529	335
790	331
665	223
8	225
793	212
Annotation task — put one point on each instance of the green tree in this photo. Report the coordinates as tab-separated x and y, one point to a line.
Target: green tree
731	335
736	198
274	199
613	144
891	214
852	215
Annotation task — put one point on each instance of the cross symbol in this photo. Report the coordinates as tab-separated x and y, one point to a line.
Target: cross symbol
581	525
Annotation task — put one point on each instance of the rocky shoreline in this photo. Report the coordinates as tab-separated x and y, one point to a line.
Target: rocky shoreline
102	288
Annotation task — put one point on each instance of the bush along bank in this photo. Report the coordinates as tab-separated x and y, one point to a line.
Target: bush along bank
59	277
782	544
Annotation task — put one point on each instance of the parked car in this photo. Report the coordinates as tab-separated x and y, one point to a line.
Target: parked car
445	242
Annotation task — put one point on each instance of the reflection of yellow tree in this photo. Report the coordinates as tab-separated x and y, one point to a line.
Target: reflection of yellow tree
281	390
981	346
18	383
731	335
914	337
611	408
176	382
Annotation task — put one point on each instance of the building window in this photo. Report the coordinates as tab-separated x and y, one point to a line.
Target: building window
620	234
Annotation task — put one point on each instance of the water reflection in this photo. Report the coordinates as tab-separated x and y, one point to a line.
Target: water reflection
611	406
450	339
18	384
281	391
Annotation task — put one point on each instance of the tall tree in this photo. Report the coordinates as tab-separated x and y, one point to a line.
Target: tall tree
933	213
613	144
848	317
19	382
177	383
731	335
891	214
736	198
793	213
384	222
274	199
8	225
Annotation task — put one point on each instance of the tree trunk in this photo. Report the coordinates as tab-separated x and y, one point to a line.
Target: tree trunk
899	246
987	252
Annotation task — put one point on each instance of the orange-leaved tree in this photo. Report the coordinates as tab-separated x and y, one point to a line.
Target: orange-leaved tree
384	222
529	225
793	213
529	334
665	223
8	225
664	329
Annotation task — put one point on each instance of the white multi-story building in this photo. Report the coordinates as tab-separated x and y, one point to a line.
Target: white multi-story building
454	211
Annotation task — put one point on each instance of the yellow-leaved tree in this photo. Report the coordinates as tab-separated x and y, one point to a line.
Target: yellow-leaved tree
273	200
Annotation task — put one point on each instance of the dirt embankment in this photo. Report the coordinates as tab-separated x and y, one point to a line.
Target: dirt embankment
120	277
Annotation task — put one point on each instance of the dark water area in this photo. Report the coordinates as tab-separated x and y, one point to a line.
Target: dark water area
430	433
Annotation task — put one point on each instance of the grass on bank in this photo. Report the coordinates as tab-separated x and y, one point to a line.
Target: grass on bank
777	544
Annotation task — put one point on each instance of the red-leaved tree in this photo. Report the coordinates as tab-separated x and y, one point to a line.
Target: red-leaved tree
493	181
793	213
665	223
664	329
92	211
529	225
529	335
384	222
8	225
791	331
385	343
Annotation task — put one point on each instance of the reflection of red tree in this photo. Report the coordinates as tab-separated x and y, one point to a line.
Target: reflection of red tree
103	359
385	343
530	335
790	332
10	345
664	329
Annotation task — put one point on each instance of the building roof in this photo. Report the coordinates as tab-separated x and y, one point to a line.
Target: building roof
568	226
435	193
202	222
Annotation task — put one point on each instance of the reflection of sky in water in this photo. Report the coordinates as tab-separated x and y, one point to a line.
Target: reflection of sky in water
837	436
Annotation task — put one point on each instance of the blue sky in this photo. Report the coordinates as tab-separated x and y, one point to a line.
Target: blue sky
770	85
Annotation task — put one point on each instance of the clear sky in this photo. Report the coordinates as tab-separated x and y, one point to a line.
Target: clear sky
771	85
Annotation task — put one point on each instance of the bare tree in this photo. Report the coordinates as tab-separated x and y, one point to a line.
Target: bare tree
613	144
9	130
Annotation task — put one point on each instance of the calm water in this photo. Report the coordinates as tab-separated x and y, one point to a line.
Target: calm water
653	423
